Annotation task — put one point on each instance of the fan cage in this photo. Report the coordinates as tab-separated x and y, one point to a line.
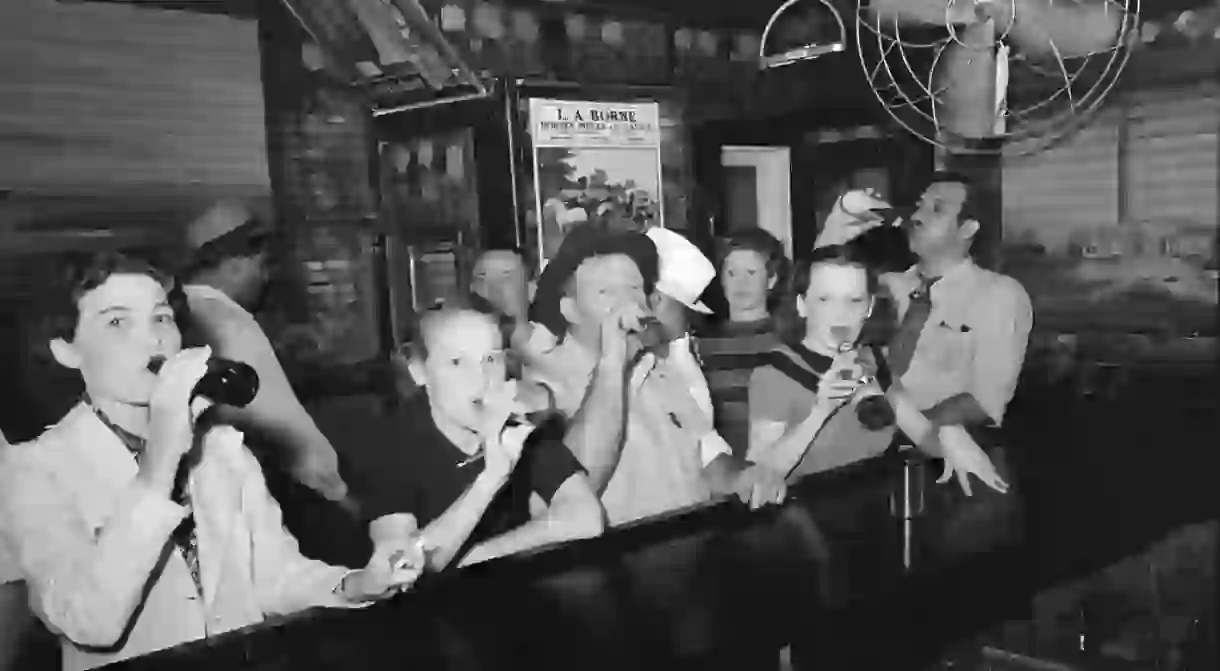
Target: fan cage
1030	128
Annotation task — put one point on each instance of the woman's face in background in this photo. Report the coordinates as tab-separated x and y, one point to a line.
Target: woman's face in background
746	282
836	304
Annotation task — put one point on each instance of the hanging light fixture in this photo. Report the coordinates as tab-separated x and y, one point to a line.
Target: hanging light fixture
801	30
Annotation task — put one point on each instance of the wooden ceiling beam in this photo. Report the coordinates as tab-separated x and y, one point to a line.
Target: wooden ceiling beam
694	13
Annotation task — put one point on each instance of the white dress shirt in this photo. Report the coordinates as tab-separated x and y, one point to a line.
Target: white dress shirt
974	340
669	437
88	535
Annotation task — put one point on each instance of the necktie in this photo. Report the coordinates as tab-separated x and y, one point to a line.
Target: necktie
902	347
184	536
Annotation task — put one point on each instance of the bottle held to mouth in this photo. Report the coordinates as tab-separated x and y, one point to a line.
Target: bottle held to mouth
226	382
873	412
651	333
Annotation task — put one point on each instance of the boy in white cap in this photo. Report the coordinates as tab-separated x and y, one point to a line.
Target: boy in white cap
225	279
684	274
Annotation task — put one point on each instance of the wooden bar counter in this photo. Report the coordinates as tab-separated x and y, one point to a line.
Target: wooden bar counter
721	587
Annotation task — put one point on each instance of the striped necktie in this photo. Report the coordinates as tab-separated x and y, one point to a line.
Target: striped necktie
902	347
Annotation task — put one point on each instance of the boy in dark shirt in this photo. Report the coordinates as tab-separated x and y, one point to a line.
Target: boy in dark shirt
481	482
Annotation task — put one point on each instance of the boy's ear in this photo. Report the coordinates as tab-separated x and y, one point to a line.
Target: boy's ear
65	354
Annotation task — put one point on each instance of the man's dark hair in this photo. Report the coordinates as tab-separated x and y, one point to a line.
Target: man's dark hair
84	274
971	208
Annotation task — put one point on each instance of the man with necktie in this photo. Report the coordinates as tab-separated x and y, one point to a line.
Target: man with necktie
963	332
958	353
957	350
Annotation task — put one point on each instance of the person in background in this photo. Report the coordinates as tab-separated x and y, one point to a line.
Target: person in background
477	475
226	278
111	510
502	276
505	279
684	274
753	273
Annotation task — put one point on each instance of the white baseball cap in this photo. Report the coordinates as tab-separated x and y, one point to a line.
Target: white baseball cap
685	272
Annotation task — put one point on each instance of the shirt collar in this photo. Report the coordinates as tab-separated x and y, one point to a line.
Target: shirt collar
961	270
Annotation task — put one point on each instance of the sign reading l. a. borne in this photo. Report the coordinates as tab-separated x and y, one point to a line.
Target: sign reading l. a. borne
572	123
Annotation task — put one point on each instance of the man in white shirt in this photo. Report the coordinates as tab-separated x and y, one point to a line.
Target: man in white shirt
642	437
964	329
957	354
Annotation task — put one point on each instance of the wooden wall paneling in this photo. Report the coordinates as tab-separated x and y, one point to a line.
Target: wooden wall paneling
107	95
1066	195
1173	147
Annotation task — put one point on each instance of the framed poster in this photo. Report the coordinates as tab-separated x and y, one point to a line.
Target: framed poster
595	163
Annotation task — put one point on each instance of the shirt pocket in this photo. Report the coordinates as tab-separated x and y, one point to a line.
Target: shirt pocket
948	347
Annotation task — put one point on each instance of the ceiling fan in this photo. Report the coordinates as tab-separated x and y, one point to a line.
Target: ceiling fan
970	70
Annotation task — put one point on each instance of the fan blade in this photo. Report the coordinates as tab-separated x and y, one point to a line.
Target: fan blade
1074	28
965	78
935	12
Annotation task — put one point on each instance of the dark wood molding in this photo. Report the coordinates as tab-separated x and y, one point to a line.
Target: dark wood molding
694	13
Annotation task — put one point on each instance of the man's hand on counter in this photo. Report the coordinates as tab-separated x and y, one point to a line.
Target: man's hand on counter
963	458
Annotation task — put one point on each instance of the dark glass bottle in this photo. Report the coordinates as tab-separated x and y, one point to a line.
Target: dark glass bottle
226	382
229	383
